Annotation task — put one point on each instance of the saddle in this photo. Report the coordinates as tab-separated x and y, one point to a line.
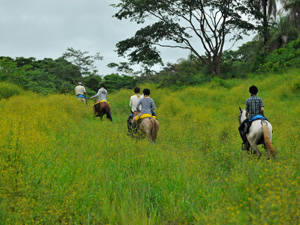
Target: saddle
97	104
248	125
101	101
137	118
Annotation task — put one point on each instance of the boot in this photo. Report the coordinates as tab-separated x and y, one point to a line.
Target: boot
245	145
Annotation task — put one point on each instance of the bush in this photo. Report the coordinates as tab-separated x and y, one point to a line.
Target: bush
283	58
8	90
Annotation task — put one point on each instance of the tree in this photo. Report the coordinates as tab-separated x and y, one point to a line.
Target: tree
83	61
176	25
92	82
293	6
115	82
122	67
263	11
282	32
10	72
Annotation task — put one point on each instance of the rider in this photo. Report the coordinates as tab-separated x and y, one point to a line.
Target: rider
254	106
134	99
80	91
146	103
102	93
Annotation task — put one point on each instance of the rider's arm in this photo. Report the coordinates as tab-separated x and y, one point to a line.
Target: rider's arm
97	95
153	105
262	109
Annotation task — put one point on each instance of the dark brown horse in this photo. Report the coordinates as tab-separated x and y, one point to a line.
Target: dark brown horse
102	108
147	127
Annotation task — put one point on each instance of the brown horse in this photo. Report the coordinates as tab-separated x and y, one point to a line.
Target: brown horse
147	127
101	109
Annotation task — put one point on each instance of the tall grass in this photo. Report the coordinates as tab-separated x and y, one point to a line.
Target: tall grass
60	165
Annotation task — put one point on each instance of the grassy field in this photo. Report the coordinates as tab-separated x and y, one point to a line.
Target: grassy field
60	165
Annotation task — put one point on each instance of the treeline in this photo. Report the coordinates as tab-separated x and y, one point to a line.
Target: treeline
49	76
61	76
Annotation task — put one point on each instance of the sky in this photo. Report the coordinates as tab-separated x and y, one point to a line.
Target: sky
46	28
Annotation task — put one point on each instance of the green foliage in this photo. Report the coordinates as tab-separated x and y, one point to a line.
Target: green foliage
282	59
184	72
44	76
8	90
92	82
245	60
115	82
85	63
10	72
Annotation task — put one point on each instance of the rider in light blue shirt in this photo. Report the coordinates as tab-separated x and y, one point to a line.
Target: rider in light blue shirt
146	103
102	93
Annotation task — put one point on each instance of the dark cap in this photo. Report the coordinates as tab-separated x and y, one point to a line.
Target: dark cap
253	90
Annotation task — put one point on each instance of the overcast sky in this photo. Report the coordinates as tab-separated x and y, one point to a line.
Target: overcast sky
46	28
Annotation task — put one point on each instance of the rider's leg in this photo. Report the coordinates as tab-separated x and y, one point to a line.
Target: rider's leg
243	135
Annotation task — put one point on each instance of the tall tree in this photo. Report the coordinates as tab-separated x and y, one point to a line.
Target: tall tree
293	6
84	62
282	32
264	11
178	23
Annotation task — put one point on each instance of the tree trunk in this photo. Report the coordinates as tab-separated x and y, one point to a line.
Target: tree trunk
215	67
265	26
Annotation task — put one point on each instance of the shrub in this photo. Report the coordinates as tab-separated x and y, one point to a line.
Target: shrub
283	58
8	90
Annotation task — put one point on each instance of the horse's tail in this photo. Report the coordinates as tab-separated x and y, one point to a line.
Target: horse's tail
267	139
107	111
108	114
154	129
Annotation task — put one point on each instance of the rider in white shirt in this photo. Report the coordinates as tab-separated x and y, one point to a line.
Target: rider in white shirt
134	99
79	89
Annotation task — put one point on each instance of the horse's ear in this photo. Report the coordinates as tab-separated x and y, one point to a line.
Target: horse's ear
240	109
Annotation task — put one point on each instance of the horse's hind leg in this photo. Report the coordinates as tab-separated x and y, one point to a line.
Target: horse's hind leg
108	113
255	149
268	152
108	116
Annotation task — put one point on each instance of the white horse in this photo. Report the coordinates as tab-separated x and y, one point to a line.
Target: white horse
260	132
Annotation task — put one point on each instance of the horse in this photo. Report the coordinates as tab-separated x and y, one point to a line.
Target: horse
260	132
82	98
146	127
102	108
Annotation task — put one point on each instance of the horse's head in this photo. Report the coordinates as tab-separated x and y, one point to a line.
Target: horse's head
242	115
134	114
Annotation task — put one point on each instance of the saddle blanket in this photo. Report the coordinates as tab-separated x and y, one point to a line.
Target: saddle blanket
101	101
248	124
257	117
80	96
143	117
